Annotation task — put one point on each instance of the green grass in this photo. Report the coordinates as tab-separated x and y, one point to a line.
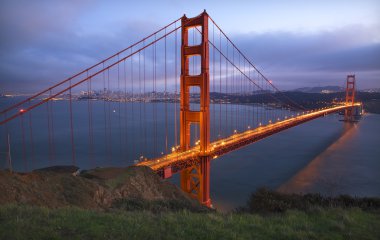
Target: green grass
157	206
264	200
25	222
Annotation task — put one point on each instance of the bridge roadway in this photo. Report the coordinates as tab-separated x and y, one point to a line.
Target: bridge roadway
178	160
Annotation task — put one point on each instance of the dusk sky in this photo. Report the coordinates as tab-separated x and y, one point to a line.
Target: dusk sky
295	43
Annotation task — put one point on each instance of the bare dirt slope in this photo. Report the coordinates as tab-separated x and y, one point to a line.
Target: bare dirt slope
98	188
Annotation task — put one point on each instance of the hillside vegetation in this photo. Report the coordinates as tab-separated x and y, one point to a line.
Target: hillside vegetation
134	203
25	222
99	188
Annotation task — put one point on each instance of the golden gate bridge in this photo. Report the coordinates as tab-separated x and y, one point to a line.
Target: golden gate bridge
175	100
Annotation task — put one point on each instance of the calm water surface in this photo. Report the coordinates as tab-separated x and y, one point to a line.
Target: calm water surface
324	155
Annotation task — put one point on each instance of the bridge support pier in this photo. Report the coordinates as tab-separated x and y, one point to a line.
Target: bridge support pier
196	179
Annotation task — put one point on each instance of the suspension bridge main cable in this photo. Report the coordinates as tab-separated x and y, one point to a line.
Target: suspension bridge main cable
83	80
296	104
246	76
84	71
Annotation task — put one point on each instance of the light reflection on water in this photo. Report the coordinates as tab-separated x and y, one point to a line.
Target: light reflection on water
351	165
313	176
325	155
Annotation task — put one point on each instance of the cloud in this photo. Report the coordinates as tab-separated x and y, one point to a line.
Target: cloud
44	43
36	52
304	59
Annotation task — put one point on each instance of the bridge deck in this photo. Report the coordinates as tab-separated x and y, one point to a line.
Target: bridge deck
181	160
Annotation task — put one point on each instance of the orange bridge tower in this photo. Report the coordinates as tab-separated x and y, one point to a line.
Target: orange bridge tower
350	98
195	180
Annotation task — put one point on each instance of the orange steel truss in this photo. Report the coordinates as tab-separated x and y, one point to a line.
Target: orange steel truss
195	180
350	97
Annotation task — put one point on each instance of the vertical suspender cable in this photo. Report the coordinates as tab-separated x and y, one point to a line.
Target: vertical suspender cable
220	85
175	87
91	126
238	116
154	146
109	116
226	92
233	111
119	106
248	95
261	99
50	113
52	127
49	133
256	102
244	96
133	145
140	111
23	143
166	102
126	111
213	76
71	127
105	96
89	122
31	139
154	96
144	103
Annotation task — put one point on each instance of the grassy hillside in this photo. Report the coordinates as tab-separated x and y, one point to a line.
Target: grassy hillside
25	222
99	188
134	203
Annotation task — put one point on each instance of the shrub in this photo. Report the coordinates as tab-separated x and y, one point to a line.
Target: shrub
268	201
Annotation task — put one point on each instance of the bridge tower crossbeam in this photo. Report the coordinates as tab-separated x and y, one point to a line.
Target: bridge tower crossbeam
195	180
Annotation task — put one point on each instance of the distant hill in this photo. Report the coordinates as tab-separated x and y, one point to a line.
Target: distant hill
324	89
371	90
309	100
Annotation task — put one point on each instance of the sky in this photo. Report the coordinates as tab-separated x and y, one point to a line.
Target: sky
295	43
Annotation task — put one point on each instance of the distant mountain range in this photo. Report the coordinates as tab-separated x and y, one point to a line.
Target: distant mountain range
371	90
324	89
331	89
